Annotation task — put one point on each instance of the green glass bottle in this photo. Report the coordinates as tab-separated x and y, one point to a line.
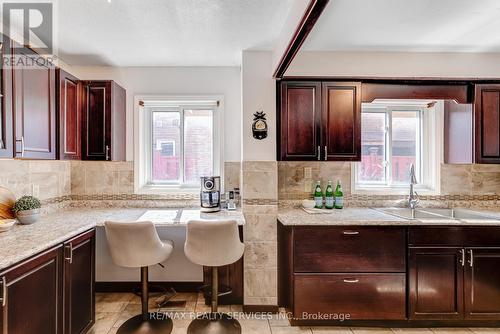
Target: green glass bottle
339	196
329	197
318	196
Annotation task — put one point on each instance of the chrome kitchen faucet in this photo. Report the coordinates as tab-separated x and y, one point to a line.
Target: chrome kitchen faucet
413	198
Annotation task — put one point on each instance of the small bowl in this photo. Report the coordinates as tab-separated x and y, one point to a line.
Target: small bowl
6	224
27	217
308	204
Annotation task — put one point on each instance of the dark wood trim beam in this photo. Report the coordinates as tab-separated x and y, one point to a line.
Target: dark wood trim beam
305	26
372	91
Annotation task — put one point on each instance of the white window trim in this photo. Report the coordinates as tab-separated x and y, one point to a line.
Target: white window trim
432	132
142	142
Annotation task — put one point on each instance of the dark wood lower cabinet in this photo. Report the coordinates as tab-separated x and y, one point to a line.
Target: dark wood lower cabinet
390	275
52	292
482	284
33	295
350	296
79	273
436	283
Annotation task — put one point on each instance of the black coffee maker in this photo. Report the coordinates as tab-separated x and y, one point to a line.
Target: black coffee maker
210	193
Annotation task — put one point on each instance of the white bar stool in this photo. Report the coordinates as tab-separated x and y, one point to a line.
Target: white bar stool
213	244
137	245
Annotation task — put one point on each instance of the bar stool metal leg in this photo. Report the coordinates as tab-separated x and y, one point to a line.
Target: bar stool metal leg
146	322
215	322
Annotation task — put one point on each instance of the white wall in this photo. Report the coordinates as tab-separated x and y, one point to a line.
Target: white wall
395	64
292	21
224	81
258	93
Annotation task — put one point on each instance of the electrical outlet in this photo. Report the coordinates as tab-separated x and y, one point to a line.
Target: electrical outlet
35	190
307	173
307	185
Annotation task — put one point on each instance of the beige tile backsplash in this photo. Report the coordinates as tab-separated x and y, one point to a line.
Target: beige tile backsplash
98	177
64	178
455	179
53	178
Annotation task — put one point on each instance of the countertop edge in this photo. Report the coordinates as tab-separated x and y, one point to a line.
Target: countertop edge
32	252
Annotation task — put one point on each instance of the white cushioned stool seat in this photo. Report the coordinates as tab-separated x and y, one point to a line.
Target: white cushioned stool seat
136	244
213	243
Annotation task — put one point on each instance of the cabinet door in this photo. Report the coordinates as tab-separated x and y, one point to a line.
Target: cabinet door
79	306
341	121
6	137
482	284
97	121
487	124
300	116
436	283
34	110
69	90
33	296
349	249
362	296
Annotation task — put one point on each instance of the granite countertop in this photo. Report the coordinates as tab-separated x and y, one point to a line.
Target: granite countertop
373	217
24	241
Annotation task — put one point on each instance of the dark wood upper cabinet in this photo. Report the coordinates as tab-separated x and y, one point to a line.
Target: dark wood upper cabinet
69	90
103	123
300	121
482	290
487	123
34	110
33	291
6	136
79	273
320	121
341	121
435	283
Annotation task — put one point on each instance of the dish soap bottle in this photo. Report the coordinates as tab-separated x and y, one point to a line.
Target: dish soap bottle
329	198
318	196
339	196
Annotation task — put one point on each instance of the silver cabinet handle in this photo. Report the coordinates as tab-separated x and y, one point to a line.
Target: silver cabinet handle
107	152
70	257
326	153
4	291
462	259
350	232
354	280
319	152
22	146
471	261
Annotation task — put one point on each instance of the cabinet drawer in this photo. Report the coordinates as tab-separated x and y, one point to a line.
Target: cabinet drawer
455	236
361	296
349	249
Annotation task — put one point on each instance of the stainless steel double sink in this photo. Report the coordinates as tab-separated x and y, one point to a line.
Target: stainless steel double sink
440	214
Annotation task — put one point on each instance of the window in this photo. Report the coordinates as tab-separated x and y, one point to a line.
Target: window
393	137
178	142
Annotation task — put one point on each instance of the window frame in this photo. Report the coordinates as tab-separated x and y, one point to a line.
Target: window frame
429	148
143	140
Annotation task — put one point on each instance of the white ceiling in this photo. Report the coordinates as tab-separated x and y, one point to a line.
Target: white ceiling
166	32
408	26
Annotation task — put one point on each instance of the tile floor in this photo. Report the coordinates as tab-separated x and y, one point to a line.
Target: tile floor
112	309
